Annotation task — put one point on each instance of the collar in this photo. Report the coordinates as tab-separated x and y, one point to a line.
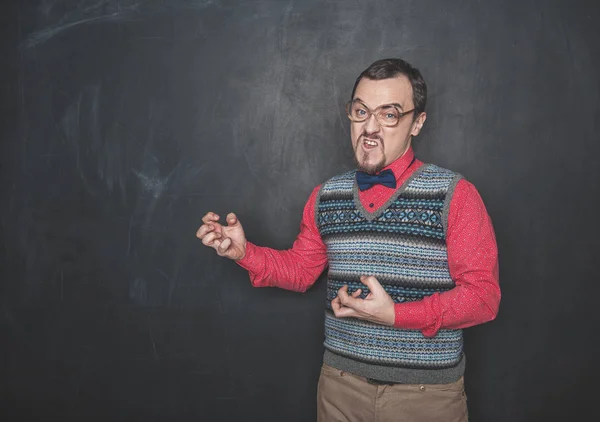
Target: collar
401	164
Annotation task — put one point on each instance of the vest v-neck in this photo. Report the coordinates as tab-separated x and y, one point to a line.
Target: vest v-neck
370	216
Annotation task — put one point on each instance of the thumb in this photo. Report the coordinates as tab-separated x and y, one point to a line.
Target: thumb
232	220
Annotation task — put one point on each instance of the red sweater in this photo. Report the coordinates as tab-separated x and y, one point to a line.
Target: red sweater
472	259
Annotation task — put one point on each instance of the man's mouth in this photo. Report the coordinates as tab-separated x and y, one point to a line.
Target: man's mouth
370	143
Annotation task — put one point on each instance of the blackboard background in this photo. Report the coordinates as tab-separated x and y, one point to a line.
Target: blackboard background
123	122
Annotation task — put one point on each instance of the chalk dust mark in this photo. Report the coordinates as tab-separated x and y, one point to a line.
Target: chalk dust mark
46	7
171	281
90	11
78	386
85	13
44	35
150	177
153	184
156	356
80	129
138	291
342	119
129	236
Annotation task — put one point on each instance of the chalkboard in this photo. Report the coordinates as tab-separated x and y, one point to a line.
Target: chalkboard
125	121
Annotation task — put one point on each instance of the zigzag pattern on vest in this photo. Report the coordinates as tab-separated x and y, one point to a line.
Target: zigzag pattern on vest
403	246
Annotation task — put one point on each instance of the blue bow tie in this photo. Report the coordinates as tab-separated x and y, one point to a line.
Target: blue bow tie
366	181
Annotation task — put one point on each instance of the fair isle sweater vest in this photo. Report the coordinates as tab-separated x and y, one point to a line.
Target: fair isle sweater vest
403	245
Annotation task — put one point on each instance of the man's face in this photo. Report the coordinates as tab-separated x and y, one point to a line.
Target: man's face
376	146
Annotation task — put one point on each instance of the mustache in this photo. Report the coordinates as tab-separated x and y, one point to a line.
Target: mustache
371	136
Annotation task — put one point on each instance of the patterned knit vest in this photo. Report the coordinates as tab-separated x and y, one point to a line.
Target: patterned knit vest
403	245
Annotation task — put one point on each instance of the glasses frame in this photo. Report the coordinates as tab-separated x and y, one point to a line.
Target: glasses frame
376	112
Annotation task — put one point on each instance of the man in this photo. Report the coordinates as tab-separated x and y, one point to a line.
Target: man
412	261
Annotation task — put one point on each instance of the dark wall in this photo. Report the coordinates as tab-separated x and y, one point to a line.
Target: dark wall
125	121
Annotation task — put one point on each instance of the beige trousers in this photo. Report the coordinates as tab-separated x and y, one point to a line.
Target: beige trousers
344	397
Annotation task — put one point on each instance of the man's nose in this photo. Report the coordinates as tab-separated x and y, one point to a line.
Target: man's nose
372	124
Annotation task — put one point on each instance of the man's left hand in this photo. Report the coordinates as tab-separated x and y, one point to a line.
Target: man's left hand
377	307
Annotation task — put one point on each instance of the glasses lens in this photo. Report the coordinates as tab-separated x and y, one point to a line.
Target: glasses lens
358	111
388	116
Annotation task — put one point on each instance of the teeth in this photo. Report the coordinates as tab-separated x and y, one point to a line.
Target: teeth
371	143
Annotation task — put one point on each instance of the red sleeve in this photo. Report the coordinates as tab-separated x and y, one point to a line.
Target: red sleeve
292	269
473	264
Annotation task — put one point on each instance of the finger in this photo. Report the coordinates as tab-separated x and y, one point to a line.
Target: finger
215	245
357	293
210	216
336	304
344	312
342	293
372	283
209	239
204	230
225	244
347	300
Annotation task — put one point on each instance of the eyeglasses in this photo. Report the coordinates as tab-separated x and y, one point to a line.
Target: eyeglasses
387	115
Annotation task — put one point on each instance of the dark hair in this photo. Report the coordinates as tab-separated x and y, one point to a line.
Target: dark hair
391	68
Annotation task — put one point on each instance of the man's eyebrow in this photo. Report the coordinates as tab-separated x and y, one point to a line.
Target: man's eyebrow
382	106
391	105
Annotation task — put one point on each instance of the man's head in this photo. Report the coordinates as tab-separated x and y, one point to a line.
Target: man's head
381	129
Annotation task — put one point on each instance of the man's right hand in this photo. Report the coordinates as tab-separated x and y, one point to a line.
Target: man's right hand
229	241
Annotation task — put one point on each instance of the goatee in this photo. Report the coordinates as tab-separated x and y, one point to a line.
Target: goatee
363	164
369	168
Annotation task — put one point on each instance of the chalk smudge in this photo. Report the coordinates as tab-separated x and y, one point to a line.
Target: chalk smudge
89	11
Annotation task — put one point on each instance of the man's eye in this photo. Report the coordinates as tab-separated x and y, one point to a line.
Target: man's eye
361	112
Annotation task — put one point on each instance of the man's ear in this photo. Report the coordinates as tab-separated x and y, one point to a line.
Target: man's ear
418	124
